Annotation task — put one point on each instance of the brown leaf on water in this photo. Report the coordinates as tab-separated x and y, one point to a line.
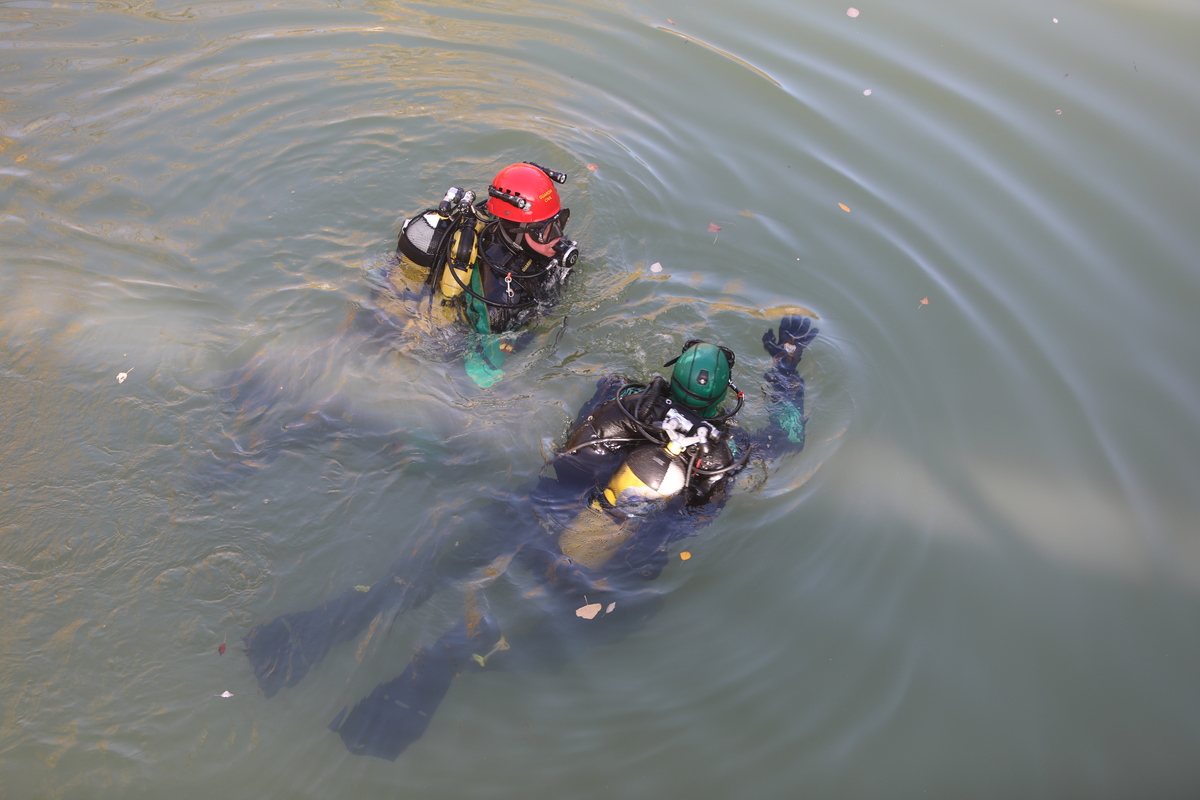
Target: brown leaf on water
713	227
593	167
685	555
925	301
844	207
589	611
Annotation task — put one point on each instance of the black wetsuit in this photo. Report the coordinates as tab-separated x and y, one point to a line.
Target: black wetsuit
534	283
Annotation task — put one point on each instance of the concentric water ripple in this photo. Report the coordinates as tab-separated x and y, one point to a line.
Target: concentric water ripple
979	579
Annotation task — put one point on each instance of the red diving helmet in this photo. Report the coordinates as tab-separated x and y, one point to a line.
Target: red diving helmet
524	193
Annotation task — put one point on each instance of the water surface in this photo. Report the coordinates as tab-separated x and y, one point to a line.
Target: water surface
981	577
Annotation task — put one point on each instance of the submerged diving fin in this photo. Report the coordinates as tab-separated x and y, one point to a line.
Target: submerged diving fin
284	649
396	713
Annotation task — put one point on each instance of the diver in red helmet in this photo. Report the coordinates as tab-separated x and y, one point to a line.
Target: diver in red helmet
491	264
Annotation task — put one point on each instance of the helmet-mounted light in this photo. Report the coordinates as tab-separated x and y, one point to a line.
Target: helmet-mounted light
511	199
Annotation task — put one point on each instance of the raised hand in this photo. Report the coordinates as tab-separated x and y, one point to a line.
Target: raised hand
795	334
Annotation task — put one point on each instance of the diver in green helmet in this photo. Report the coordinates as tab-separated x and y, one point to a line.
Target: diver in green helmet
644	466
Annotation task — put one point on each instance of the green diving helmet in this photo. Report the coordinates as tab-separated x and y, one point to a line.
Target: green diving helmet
701	376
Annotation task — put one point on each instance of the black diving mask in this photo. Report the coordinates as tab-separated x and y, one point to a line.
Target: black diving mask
548	230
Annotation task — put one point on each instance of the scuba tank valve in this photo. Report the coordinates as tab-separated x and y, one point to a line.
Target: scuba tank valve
456	199
677	426
449	201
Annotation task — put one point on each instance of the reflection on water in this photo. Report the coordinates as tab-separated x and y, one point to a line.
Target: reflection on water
979	578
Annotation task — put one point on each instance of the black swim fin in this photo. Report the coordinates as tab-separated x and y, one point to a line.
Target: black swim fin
396	713
284	649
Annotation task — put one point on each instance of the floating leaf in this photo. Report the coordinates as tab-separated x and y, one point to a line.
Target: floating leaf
844	207
685	555
611	606
866	92
925	301
673	21
221	649
713	227
588	611
361	588
853	12
593	167
482	659
121	376
656	267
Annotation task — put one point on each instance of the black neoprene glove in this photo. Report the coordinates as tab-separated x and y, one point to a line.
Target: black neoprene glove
795	334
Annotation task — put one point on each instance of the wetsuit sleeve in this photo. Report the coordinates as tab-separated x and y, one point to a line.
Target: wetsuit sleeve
785	389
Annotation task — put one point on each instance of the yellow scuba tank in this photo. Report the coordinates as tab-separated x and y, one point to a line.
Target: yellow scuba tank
651	472
593	536
460	259
656	471
451	229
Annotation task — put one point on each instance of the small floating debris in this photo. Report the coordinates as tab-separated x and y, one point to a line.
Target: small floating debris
589	611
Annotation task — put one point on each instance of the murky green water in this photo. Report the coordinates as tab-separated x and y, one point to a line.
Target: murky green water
980	579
